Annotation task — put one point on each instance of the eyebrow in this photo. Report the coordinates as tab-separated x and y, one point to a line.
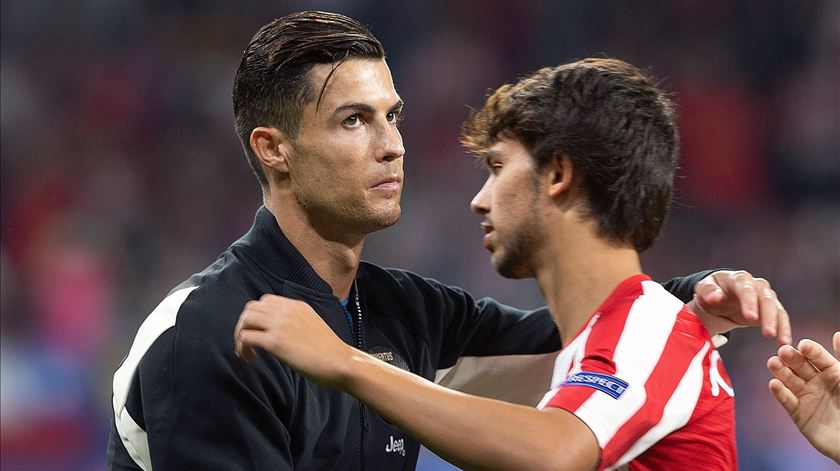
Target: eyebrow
365	108
483	159
492	153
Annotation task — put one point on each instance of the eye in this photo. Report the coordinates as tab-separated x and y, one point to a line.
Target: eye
352	121
495	167
393	117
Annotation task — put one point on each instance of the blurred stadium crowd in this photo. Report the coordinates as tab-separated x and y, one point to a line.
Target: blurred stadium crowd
122	174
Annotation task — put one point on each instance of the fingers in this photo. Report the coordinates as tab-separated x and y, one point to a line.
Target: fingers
786	398
708	291
783	328
797	363
743	287
816	354
269	323
783	372
759	303
835	342
730	286
768	307
251	318
246	353
247	341
254	317
772	315
774	318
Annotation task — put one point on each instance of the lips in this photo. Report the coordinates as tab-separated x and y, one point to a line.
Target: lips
391	183
488	231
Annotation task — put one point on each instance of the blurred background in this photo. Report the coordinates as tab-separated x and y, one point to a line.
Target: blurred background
122	174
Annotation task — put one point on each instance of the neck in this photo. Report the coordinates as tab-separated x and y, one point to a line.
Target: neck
335	261
578	275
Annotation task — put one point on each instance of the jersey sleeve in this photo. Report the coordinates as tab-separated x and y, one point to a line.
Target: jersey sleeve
682	287
482	347
503	353
637	377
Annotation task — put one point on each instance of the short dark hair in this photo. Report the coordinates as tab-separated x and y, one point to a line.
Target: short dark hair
272	84
617	127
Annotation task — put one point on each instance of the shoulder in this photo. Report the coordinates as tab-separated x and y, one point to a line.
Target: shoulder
201	311
392	275
186	337
640	306
219	292
407	282
645	323
163	328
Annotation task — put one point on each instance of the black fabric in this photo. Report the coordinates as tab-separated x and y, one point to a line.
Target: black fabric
683	288
204	408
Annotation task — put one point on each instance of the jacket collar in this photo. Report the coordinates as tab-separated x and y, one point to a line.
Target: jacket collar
269	248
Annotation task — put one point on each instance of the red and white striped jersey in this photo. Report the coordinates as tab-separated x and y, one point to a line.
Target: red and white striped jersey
644	375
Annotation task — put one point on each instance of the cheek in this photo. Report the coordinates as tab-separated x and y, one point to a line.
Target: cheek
329	171
507	197
513	202
336	165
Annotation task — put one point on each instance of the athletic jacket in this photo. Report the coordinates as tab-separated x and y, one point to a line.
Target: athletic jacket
184	401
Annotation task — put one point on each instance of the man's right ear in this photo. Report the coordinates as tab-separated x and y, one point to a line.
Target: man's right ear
271	146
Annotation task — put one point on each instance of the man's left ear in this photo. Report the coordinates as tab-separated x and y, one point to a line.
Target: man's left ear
560	175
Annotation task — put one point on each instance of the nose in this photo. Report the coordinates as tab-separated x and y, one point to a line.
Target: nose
480	202
392	143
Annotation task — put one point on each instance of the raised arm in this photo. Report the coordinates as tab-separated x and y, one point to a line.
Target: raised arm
505	353
470	431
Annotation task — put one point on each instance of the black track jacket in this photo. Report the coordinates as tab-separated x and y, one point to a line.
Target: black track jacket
184	401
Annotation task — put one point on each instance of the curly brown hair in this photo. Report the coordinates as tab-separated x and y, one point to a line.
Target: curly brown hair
615	125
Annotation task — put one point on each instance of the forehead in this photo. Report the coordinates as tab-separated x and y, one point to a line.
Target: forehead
354	80
508	148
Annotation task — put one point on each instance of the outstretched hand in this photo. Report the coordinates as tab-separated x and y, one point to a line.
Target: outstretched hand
726	300
294	333
807	385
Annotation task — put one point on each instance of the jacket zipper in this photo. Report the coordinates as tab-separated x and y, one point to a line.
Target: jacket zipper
357	333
